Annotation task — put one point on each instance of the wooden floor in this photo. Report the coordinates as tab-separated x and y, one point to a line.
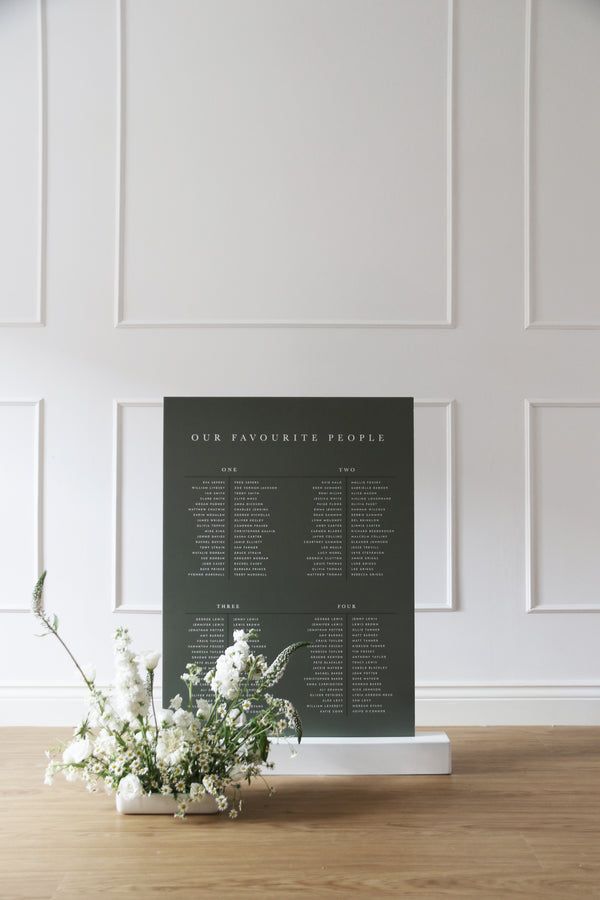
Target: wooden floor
520	817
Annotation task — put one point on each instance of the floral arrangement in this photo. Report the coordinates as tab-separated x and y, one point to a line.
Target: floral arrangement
188	751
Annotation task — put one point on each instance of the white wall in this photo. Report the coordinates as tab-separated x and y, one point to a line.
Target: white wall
307	197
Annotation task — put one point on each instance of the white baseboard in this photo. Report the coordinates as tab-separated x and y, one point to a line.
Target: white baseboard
437	705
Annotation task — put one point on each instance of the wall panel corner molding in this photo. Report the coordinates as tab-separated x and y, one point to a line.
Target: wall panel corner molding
124	319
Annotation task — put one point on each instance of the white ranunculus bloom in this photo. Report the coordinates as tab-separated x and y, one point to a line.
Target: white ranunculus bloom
77	751
170	747
130	787
150	660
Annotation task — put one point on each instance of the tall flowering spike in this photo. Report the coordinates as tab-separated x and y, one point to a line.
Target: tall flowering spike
38	596
275	671
130	695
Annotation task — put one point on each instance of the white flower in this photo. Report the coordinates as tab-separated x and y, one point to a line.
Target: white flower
183	718
227	675
77	751
106	744
237	773
150	660
196	791
237	718
89	671
176	702
230	667
122	639
130	697
204	708
165	717
130	787
170	747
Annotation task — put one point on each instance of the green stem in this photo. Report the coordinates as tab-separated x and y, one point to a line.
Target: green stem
151	674
89	684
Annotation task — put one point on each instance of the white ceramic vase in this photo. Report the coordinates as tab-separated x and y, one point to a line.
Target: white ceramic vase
159	805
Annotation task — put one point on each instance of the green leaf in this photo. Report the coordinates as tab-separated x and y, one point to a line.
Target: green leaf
263	746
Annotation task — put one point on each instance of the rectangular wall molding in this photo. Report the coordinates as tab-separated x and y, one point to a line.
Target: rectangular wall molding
531	319
532	526
122	603
38	300
448	601
123	320
28	535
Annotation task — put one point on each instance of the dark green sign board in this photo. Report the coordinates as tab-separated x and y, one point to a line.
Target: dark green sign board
295	516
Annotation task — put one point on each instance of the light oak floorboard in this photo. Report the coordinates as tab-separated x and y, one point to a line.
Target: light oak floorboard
520	817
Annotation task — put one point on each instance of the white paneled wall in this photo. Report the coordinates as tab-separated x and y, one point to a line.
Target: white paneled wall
304	197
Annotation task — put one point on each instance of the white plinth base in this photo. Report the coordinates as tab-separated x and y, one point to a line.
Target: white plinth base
423	754
157	805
